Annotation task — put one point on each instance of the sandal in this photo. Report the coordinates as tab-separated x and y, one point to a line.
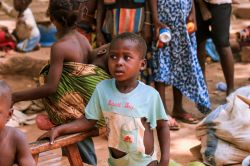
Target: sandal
186	118
173	125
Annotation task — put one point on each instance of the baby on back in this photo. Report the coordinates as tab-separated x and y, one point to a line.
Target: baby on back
13	143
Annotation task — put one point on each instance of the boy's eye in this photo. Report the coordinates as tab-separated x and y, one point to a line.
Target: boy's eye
113	57
126	58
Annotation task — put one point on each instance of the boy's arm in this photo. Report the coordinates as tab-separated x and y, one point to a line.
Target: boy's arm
79	125
164	141
23	157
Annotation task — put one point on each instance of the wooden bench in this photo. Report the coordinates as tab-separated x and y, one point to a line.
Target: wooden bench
68	142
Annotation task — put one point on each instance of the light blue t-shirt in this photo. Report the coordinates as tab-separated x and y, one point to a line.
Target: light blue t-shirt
123	112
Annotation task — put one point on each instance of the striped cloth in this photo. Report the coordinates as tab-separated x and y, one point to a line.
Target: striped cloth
78	82
123	20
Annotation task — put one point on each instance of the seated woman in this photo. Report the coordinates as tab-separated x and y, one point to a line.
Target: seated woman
71	76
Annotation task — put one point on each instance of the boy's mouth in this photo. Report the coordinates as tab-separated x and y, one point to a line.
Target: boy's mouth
119	72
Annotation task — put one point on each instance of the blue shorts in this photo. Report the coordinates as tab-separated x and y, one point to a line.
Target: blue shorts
28	44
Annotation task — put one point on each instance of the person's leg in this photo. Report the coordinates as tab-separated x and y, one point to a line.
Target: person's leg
178	111
202	34
227	64
220	34
201	54
28	44
160	87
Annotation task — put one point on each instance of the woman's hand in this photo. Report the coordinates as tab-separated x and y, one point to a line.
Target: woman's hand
191	23
158	25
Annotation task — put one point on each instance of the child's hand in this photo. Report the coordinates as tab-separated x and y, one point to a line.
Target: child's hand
52	135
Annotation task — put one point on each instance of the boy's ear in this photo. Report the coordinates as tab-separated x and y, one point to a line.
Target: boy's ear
143	64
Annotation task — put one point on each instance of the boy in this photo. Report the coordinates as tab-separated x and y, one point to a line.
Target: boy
13	145
131	109
26	32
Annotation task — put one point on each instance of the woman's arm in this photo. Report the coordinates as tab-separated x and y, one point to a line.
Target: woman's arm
164	141
192	19
148	26
101	11
157	24
52	81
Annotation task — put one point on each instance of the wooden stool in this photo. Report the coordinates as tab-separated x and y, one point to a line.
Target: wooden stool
68	142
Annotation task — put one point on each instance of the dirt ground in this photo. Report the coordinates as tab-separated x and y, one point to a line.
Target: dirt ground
181	141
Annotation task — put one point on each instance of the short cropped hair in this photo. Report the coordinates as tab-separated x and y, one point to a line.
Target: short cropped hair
4	89
137	39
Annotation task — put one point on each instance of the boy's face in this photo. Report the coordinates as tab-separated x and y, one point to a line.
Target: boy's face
20	5
125	61
5	113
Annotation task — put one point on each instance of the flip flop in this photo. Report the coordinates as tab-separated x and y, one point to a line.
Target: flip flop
186	118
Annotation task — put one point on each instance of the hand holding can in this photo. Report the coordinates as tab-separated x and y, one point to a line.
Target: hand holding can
164	37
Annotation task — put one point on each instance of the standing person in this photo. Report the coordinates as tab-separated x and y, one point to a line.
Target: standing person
26	32
216	13
15	148
129	115
69	79
86	21
176	63
118	16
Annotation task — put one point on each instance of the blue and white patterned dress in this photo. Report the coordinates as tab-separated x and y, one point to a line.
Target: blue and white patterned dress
177	64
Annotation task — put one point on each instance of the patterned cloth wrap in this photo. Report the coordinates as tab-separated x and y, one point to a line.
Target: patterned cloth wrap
78	82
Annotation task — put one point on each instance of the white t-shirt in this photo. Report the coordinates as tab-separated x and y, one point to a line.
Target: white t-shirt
123	112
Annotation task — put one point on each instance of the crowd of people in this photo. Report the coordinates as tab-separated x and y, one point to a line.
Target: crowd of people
105	50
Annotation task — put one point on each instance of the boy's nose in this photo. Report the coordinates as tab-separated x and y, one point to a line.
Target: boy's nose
120	62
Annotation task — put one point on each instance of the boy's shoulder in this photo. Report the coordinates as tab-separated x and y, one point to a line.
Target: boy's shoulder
14	133
148	89
104	84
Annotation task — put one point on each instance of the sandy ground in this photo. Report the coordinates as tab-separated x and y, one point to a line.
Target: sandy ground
181	141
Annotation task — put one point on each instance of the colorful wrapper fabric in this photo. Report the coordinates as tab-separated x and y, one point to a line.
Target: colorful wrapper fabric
78	82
